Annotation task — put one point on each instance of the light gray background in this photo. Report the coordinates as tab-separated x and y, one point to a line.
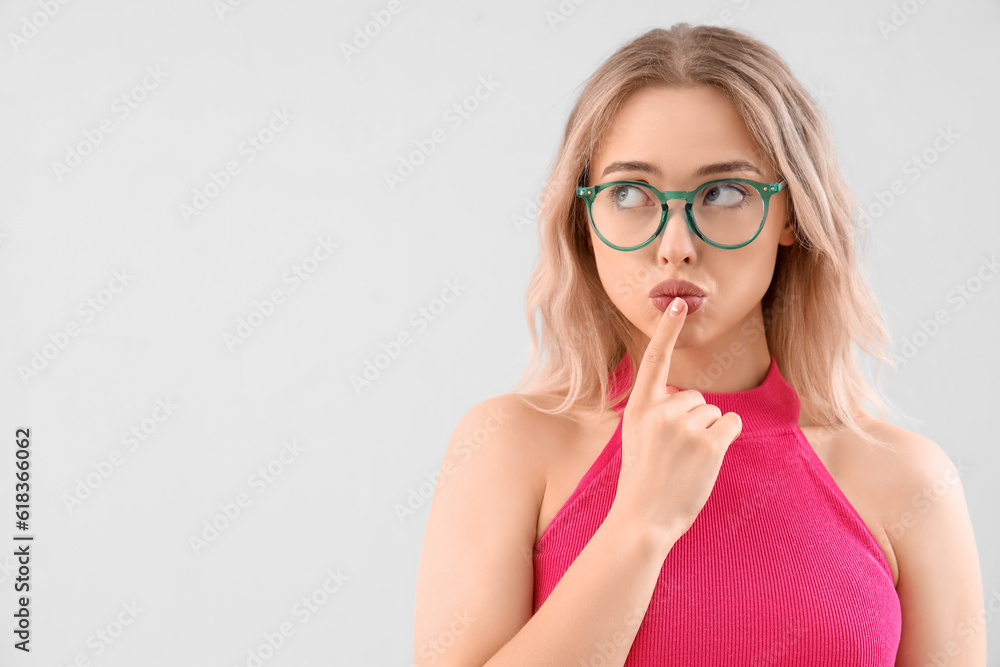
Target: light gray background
363	453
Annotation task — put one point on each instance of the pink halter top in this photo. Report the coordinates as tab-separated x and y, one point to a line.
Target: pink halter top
777	569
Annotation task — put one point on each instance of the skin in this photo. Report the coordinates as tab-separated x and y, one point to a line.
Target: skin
679	130
505	459
934	559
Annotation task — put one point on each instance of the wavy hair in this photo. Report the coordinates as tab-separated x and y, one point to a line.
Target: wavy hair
818	301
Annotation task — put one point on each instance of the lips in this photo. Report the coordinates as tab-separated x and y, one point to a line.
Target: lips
664	293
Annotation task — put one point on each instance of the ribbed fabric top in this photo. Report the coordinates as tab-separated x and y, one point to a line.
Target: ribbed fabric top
777	569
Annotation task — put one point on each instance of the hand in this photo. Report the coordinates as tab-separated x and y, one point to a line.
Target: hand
673	442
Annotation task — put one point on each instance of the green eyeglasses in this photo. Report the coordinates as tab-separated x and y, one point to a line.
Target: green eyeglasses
726	213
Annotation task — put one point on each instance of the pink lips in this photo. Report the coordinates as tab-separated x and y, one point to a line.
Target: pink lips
663	294
693	302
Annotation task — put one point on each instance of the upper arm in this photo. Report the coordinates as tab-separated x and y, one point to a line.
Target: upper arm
475	582
940	584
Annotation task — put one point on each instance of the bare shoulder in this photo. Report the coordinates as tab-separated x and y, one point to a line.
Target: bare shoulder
888	476
475	578
509	441
926	521
512	432
906	463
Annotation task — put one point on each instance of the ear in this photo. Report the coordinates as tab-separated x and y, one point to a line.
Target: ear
787	233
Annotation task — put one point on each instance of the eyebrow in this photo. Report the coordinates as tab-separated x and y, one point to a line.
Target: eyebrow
704	170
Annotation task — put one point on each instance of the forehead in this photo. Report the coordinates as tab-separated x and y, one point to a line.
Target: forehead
677	129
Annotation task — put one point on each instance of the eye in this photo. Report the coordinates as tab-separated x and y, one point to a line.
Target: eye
629	196
724	194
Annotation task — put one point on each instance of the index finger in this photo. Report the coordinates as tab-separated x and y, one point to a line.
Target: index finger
651	379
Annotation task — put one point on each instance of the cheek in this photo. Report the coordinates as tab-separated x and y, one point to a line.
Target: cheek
625	283
744	279
609	271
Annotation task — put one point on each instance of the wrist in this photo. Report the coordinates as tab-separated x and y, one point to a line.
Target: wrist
650	539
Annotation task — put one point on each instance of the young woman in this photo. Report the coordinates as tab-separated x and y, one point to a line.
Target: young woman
726	500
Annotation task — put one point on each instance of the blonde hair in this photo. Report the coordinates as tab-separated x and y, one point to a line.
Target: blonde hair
818	301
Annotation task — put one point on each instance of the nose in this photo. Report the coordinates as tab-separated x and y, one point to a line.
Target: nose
676	244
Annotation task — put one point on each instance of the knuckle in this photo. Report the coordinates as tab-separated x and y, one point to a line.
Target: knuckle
696	395
708	408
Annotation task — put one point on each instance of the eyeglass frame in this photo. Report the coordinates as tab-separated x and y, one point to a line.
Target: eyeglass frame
589	193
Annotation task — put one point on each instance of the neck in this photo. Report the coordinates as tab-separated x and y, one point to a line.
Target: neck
770	406
735	361
718	371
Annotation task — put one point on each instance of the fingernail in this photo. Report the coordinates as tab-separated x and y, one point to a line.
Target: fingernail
675	306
